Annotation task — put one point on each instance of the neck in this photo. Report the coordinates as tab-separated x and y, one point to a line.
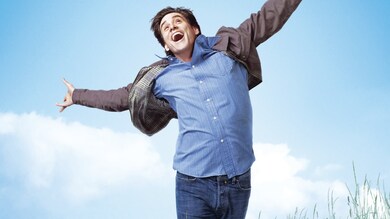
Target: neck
185	56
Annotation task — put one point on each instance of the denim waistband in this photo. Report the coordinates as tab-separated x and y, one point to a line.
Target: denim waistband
222	178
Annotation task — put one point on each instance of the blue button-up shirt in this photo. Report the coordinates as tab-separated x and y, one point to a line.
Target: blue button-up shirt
211	98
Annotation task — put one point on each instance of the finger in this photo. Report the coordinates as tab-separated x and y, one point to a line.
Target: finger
62	106
67	83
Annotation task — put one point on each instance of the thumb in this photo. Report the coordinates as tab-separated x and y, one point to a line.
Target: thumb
68	85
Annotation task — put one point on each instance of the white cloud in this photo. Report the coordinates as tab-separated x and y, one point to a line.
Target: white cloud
72	161
278	190
76	163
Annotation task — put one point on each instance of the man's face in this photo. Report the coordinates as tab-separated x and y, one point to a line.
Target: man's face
179	36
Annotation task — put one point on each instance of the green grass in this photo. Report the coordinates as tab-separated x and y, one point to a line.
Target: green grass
367	202
364	202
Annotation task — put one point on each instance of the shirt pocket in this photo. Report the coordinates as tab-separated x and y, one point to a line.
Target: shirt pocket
221	64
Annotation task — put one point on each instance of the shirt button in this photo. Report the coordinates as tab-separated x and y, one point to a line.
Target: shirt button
193	66
208	100
222	140
214	117
201	82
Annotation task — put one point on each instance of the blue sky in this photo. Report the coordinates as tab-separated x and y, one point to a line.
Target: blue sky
324	104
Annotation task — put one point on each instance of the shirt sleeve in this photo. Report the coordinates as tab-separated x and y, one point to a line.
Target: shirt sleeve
115	100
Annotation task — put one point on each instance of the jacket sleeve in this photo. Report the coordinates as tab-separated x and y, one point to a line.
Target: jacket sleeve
269	20
242	42
110	100
259	26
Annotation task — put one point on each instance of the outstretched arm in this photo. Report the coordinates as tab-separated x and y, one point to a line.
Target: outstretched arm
242	42
269	20
110	100
258	27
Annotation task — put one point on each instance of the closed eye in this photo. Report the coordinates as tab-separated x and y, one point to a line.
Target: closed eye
165	28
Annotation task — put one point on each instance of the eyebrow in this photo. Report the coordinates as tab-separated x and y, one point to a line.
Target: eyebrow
175	16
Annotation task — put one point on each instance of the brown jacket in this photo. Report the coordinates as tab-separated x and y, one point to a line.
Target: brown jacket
150	114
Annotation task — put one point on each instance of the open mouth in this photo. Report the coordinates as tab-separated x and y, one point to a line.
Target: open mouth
177	36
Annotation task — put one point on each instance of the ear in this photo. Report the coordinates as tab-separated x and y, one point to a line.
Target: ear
166	48
196	30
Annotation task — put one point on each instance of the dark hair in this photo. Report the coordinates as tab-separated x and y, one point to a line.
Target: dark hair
156	21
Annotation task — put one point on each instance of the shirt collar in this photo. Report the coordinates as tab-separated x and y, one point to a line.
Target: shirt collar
203	46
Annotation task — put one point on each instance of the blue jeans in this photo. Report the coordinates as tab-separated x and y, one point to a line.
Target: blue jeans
212	197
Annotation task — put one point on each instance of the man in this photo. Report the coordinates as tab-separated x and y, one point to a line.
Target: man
204	82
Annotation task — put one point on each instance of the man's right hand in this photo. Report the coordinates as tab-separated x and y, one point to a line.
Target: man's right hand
68	97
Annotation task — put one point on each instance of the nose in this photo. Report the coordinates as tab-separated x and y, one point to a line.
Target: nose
172	27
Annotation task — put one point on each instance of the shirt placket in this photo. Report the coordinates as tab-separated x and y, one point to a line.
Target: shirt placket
223	144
